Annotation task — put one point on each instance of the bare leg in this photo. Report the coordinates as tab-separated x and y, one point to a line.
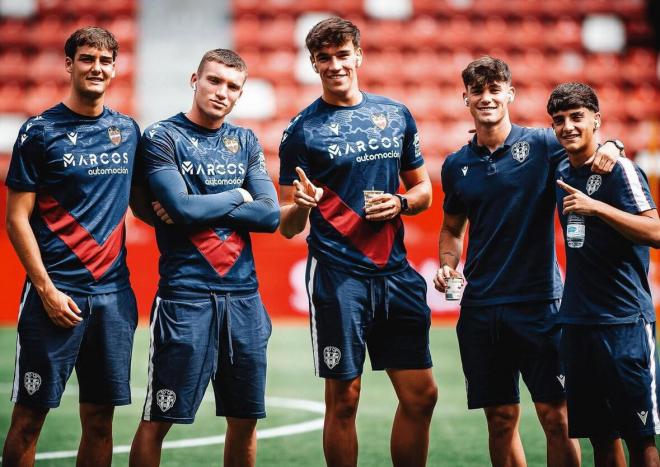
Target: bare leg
418	394
147	444
96	442
21	443
643	452
504	443
561	450
608	452
340	444
240	442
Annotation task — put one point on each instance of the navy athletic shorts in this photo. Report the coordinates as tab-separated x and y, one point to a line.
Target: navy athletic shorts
498	343
611	380
349	314
217	338
99	348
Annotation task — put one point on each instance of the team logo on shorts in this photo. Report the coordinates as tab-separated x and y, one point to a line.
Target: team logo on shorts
520	151
32	382
562	380
231	143
380	120
593	183
331	356
115	135
165	398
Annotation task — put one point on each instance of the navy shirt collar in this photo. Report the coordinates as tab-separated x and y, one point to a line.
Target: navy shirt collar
514	135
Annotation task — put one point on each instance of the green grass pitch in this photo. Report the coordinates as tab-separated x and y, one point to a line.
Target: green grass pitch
458	436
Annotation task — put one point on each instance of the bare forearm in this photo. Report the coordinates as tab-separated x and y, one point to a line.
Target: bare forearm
293	219
640	229
451	247
25	244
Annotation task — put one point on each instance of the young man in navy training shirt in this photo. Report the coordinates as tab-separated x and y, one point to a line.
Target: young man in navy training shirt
208	323
501	182
69	186
363	294
607	314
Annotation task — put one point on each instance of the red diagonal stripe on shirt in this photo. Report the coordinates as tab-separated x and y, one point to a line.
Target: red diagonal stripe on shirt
97	258
221	255
374	239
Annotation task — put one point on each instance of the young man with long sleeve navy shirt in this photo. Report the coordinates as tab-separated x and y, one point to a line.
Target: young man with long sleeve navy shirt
208	323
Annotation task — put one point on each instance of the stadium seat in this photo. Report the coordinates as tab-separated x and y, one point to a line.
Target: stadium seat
277	33
247	29
563	34
42	96
12	96
13	32
13	66
640	66
602	68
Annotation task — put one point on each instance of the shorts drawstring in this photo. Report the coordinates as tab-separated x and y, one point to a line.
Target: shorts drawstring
228	324
216	334
386	300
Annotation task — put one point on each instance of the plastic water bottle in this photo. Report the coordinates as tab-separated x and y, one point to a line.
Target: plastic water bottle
575	230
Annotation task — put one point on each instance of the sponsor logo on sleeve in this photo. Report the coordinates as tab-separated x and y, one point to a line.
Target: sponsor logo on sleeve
23	138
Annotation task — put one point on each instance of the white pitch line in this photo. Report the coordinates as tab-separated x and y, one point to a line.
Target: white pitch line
274	432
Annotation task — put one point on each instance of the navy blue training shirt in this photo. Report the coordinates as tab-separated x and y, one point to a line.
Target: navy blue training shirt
80	169
346	150
606	278
210	249
508	199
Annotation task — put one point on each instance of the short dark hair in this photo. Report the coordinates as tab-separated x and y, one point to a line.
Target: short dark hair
225	56
484	71
568	96
92	36
332	32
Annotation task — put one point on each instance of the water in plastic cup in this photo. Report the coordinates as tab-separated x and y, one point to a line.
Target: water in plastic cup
369	194
454	288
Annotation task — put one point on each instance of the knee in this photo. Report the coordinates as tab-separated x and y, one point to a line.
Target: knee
421	402
344	404
502	421
27	422
97	422
554	421
241	426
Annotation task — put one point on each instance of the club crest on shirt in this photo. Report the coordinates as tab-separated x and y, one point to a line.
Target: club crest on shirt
231	143
32	382
165	398
380	120
520	151
115	135
331	356
593	183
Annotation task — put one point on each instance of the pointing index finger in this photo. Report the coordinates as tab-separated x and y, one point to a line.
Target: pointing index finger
567	187
303	176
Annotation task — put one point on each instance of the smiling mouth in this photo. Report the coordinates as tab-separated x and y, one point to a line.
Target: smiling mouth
218	103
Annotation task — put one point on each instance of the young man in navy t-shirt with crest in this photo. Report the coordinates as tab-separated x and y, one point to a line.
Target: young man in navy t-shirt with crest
607	314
